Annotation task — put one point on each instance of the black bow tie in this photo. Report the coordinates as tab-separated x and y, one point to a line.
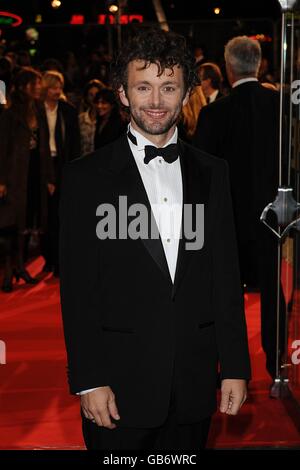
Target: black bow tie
169	153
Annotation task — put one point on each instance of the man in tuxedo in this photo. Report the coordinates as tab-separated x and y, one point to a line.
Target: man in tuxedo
149	318
242	128
211	79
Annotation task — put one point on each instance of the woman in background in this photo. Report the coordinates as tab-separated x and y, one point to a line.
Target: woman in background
88	117
110	122
26	173
190	113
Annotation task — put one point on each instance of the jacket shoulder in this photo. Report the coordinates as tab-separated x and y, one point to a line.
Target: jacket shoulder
204	158
67	108
217	108
89	163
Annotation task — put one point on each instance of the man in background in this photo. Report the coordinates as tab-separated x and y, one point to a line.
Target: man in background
242	129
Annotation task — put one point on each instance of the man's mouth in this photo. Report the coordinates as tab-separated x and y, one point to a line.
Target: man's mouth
156	114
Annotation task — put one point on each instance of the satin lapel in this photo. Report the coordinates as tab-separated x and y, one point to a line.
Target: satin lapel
196	185
130	184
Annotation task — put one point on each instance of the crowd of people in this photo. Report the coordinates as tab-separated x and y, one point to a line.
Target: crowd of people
41	129
51	115
44	124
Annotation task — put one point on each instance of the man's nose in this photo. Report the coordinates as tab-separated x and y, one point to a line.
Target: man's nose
155	98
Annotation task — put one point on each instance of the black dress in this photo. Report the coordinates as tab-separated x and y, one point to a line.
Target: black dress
33	210
110	131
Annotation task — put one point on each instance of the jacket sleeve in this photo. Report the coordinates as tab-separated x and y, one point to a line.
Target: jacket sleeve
206	135
44	146
80	303
75	143
50	176
228	299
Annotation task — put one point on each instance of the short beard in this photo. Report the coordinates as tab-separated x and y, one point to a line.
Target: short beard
158	128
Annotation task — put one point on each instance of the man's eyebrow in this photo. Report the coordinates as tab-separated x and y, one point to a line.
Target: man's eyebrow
142	82
168	82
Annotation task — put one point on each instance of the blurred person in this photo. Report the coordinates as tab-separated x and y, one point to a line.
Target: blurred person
89	93
88	117
270	86
64	143
15	68
190	112
23	59
243	129
72	70
26	172
199	54
264	74
149	319
110	123
97	67
52	64
211	81
12	56
6	78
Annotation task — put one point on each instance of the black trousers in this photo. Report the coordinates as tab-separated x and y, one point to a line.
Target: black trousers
50	239
170	436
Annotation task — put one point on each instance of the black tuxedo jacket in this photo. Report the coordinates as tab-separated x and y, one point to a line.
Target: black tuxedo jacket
126	325
243	129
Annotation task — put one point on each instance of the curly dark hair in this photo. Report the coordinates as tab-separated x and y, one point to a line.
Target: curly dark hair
155	46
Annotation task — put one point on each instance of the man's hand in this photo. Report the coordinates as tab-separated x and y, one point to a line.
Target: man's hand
3	190
234	394
98	405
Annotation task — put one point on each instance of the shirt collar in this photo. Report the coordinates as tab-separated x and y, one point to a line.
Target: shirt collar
51	110
142	140
244	80
213	96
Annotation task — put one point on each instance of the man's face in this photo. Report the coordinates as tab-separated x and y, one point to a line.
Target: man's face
205	83
54	93
155	102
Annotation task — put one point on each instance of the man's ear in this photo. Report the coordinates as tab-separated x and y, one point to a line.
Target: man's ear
122	96
186	97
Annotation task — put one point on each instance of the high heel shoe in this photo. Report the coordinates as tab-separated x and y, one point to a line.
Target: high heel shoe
23	274
7	284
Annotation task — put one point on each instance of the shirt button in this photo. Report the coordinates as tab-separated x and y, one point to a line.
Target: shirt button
160	160
165	199
168	240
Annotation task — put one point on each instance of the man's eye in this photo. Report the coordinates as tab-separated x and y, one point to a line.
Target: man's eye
169	89
143	88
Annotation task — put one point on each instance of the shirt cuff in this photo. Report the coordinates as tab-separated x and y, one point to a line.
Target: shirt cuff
84	392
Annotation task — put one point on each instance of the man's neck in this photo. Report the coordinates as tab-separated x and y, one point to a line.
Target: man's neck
209	92
52	104
241	80
213	95
158	140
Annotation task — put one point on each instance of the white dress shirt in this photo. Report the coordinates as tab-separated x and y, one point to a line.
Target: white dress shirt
213	96
163	185
244	80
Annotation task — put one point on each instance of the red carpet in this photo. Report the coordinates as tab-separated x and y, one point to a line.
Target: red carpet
36	410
